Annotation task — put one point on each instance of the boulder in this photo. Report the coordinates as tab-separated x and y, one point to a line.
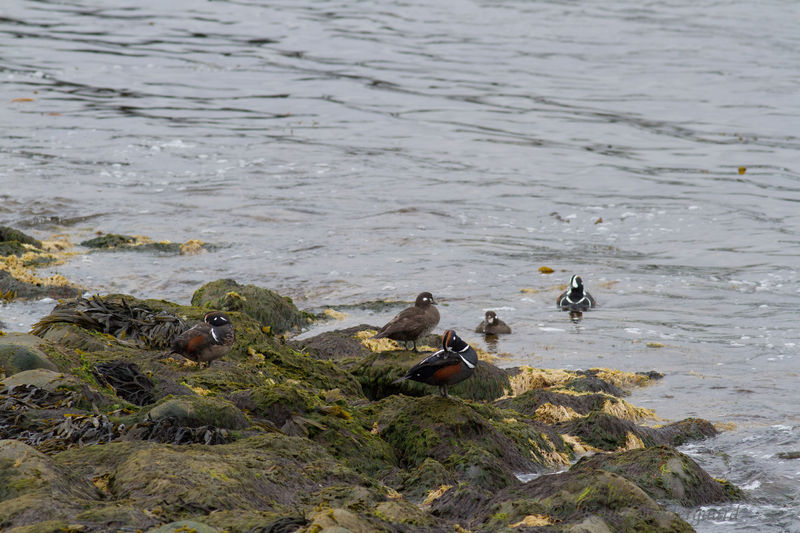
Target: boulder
42	378
195	411
273	311
19	352
665	474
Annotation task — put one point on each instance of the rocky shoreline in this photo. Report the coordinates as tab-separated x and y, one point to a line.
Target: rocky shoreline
103	430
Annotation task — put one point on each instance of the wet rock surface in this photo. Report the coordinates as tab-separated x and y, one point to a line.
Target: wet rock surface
271	310
105	430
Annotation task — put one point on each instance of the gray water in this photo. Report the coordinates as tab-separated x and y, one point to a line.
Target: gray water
347	151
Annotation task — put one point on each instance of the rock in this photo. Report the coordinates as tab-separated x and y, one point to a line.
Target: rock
184	526
476	443
343	431
610	433
42	378
110	240
339	345
425	479
75	337
689	429
591	383
34	289
19	352
338	521
585	500
195	411
267	307
11	234
37	494
665	474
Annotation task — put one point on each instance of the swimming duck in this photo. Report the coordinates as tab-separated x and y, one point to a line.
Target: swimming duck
492	325
576	298
412	323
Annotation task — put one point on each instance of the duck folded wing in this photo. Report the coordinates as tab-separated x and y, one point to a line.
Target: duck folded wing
431	364
408	320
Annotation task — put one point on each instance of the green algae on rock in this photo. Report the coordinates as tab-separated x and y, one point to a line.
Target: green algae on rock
269	308
114	242
19	255
591	500
193	411
665	474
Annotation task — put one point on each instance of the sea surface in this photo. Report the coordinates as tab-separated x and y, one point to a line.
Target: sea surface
346	151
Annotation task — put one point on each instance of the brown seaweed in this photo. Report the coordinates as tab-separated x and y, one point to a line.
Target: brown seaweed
127	381
168	430
140	324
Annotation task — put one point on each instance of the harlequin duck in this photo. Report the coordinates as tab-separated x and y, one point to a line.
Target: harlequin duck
492	325
412	323
576	298
454	363
207	341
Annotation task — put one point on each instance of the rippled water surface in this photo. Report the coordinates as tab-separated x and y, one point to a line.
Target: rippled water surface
346	151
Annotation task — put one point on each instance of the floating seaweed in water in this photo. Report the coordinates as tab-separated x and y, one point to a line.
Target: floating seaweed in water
168	430
127	381
146	327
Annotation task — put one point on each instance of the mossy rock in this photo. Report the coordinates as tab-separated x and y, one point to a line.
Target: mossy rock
477	443
184	526
237	521
267	307
76	337
264	473
11	234
12	248
570	501
196	411
607	432
343	431
665	474
426	478
36	493
20	289
591	383
531	401
610	433
683	431
19	352
109	240
340	345
283	362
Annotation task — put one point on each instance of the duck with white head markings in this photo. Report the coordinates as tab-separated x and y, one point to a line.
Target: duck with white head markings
576	297
454	363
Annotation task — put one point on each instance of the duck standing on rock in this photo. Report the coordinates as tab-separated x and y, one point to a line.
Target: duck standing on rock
207	341
492	325
412	323
454	363
576	298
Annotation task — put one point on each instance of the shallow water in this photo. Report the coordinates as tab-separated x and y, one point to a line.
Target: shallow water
347	151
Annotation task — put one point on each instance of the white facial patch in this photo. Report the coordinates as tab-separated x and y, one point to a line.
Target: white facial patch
574	282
